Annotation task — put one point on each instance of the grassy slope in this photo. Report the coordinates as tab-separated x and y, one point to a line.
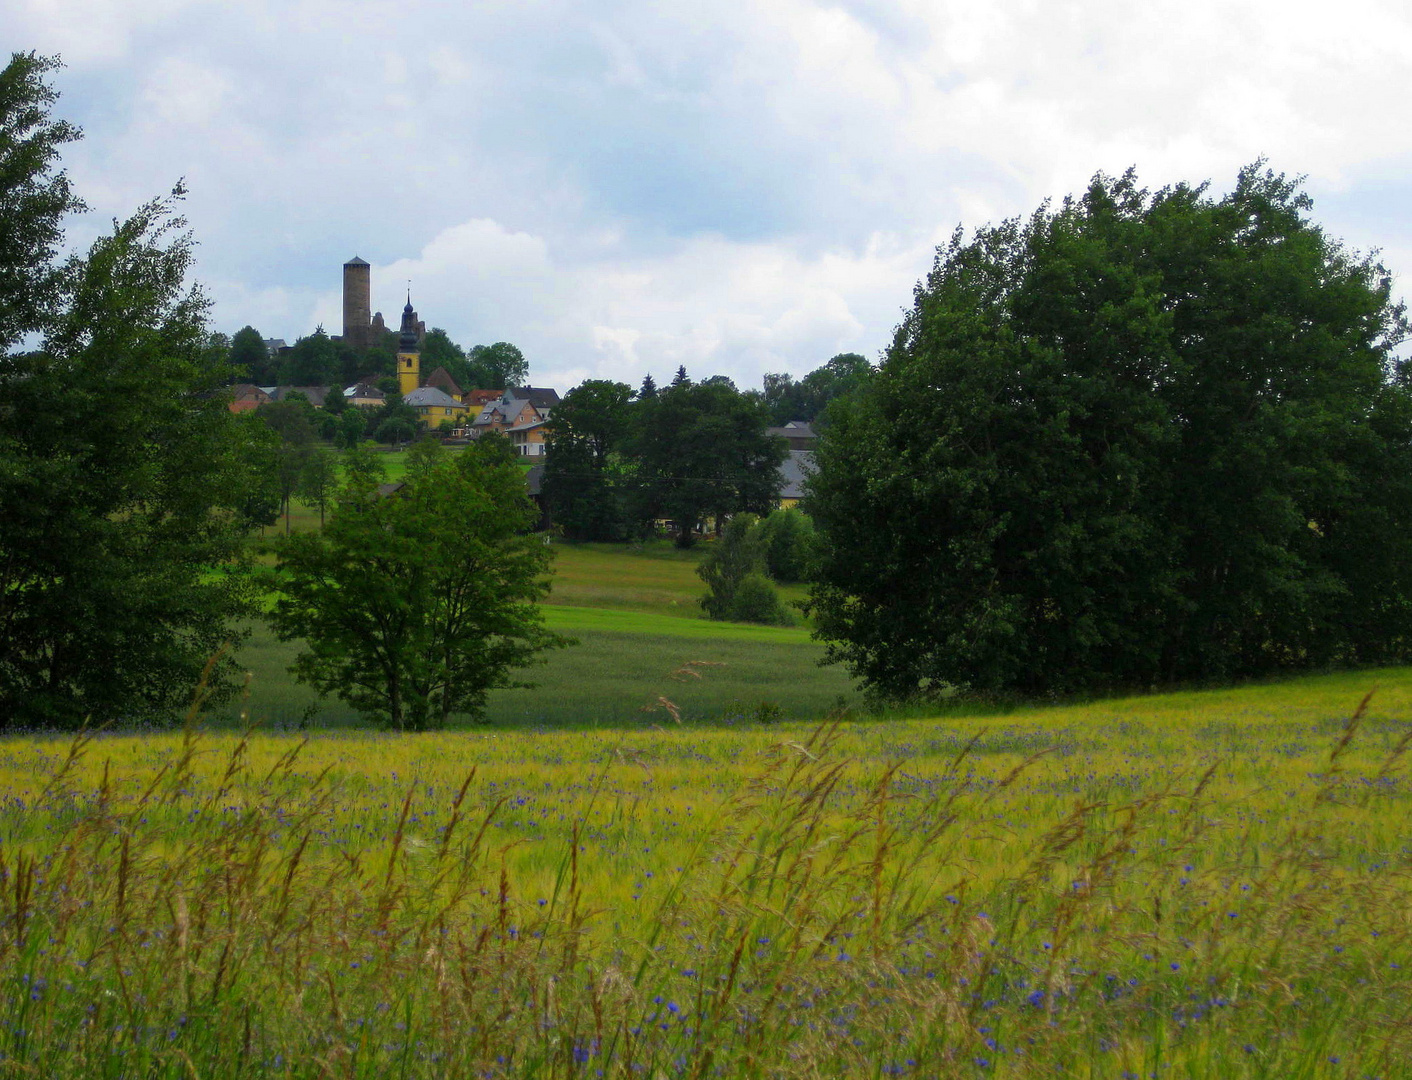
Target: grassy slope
636	617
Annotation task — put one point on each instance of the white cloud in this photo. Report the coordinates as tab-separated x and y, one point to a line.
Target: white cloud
714	305
618	185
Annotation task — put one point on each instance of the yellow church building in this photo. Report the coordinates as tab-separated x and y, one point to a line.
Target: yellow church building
409	352
433	405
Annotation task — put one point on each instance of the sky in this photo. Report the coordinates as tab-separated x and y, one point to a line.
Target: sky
623	187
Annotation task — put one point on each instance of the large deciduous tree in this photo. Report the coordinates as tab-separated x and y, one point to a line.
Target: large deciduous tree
1139	438
413	606
702	451
120	482
314	361
496	367
582	468
250	359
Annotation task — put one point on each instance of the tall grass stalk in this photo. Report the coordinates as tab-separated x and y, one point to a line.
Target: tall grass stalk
218	913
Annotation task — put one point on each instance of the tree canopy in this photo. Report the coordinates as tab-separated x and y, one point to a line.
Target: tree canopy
495	367
120	469
807	398
250	359
701	450
1141	437
582	470
35	197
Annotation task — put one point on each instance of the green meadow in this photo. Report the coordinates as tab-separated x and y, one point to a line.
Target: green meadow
635	613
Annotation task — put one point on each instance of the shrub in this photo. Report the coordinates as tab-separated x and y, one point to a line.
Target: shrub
756	601
788	540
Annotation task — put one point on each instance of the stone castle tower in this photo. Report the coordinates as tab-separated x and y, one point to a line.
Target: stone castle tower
409	348
357	302
361	325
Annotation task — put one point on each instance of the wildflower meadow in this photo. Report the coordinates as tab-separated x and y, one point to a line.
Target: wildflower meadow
1193	885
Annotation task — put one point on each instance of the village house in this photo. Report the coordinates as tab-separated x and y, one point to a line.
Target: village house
527	439
793	472
434	405
508	411
247	398
798	433
365	392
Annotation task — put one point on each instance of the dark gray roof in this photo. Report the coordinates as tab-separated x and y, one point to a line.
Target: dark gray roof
538	396
355	261
431	395
315	394
795	429
793	471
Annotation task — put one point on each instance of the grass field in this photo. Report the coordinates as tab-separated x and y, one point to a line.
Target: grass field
636	617
1190	885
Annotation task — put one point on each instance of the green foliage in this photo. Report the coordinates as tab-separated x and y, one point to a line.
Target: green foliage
1139	438
734	572
250	359
412	607
313	361
808	398
363	466
34	197
352	426
438	350
255	450
495	367
586	433
394	421
424	457
756	601
790	545
215	354
318	480
291	419
380	358
120	475
395	429
701	451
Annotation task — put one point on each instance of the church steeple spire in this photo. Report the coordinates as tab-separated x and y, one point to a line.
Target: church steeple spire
409	349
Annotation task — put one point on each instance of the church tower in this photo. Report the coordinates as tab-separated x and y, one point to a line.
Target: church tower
409	348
